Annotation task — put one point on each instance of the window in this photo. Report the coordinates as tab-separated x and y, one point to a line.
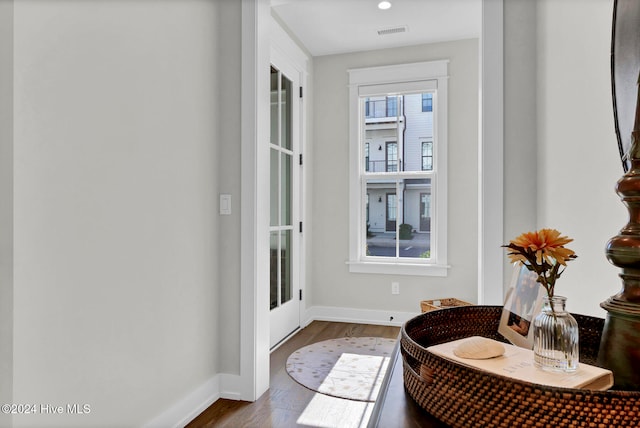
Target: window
427	102
398	217
427	155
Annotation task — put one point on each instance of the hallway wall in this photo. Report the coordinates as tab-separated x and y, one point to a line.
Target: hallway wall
332	284
115	201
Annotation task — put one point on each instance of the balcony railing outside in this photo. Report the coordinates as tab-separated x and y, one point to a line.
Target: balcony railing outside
381	108
381	166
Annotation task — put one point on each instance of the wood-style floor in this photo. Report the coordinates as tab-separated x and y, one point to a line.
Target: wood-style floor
285	401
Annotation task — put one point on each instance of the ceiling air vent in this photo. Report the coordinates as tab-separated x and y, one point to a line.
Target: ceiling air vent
392	30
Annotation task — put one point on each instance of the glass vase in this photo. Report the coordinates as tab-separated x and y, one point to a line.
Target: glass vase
555	337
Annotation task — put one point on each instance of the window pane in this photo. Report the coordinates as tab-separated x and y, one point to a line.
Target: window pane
427	156
381	211
419	129
415	228
392	106
398	227
383	123
395	129
427	102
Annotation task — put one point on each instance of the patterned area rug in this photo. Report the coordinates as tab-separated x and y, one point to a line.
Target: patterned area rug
349	367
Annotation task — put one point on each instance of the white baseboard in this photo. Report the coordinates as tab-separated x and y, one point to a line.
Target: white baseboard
185	410
230	386
354	315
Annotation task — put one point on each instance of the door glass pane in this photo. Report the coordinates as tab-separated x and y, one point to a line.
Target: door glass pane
281	188
285	286
392	207
285	100
366	157
274	185
392	156
285	178
273	271
274	107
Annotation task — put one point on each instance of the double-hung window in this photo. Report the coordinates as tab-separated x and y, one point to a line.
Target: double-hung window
398	178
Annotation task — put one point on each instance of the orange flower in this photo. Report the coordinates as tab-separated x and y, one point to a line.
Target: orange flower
547	244
542	252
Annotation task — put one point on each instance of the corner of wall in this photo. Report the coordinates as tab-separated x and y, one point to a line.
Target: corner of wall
189	407
6	206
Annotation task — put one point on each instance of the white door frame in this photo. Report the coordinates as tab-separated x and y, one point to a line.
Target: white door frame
254	185
254	290
295	71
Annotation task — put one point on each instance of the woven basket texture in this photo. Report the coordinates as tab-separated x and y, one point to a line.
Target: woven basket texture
461	396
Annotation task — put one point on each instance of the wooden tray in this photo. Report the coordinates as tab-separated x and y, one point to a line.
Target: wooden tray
461	396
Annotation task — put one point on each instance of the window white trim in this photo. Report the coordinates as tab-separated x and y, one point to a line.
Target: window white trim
398	79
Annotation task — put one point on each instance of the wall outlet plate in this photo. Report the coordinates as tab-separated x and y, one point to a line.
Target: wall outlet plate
395	288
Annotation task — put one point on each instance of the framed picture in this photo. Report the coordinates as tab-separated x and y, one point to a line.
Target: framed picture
522	304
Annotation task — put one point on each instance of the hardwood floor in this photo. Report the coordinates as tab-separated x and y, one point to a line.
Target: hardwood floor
286	400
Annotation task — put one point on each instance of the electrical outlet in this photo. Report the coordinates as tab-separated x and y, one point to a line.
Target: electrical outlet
395	288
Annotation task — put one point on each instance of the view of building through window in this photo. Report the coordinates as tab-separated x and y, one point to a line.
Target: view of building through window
398	172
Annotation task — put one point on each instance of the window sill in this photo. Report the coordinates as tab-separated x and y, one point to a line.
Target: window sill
387	268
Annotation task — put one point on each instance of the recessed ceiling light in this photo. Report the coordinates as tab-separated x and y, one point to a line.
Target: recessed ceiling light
384	5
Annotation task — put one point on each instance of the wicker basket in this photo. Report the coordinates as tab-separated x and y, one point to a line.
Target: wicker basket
449	302
461	396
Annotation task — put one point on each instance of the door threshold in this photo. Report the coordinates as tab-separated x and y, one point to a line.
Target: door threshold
287	337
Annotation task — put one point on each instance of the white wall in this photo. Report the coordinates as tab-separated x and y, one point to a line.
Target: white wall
578	162
331	283
116	151
229	167
520	129
6	206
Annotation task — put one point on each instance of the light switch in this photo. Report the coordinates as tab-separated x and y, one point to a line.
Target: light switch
225	204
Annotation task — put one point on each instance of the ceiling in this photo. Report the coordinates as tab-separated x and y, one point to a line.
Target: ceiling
328	27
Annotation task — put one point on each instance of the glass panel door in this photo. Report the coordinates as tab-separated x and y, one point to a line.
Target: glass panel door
284	308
